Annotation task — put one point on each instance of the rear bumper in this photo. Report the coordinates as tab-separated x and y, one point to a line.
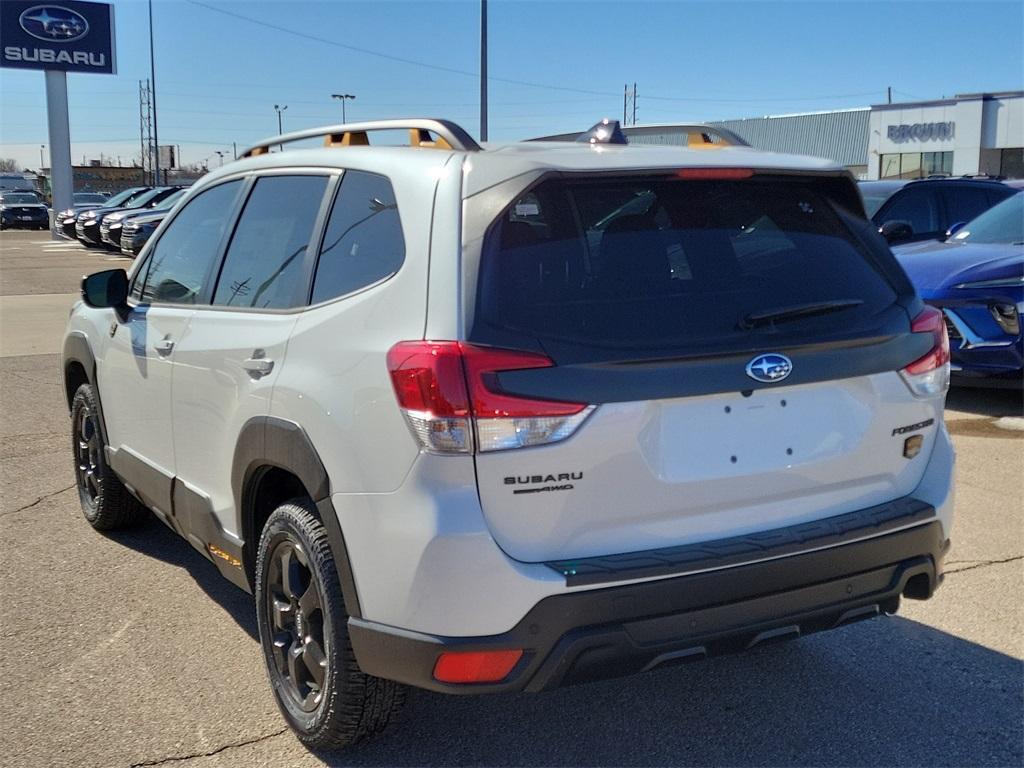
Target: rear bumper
592	634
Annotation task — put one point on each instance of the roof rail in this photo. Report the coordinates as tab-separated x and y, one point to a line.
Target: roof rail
446	135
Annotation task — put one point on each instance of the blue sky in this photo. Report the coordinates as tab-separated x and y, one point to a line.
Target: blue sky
219	75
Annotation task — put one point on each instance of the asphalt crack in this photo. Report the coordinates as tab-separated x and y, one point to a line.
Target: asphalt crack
970	565
37	501
211	753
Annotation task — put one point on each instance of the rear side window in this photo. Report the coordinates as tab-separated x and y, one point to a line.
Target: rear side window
363	243
963	203
638	268
183	256
264	266
917	206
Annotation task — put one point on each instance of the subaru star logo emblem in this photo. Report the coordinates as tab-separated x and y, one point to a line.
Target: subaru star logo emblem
54	23
769	368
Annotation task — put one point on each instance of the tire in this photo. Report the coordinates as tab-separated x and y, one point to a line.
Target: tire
303	629
106	503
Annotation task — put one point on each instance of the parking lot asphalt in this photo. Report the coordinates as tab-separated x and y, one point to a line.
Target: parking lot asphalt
130	650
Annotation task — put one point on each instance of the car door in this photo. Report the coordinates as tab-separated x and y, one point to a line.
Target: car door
136	372
919	206
229	358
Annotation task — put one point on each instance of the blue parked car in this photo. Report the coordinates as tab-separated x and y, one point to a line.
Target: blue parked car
976	277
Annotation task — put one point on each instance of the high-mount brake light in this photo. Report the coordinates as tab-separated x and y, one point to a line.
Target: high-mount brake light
929	374
450	396
714	174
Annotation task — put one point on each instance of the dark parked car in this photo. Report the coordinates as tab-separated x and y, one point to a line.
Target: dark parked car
88	228
80	201
23	209
113	226
67	222
929	208
875	193
976	278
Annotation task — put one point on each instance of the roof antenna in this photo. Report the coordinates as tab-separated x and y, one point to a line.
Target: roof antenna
605	132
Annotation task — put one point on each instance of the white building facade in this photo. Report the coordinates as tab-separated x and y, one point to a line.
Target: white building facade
971	134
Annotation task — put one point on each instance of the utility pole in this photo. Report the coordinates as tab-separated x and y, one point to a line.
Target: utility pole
625	98
483	70
888	95
41	162
146	131
343	97
279	110
634	105
152	86
234	148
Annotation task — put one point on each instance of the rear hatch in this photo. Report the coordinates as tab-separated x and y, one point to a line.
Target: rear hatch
729	341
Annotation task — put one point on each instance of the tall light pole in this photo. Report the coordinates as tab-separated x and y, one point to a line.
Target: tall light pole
483	70
41	162
343	97
279	110
152	84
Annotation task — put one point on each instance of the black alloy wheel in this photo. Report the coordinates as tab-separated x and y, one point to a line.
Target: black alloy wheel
295	607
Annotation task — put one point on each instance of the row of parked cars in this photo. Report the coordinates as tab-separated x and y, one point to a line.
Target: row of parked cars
122	223
961	241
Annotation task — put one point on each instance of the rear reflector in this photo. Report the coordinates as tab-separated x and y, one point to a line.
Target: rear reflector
450	396
475	666
714	174
929	374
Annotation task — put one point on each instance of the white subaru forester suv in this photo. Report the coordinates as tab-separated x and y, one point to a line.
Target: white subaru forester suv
505	418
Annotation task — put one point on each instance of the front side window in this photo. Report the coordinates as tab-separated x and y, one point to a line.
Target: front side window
363	243
264	266
918	207
183	256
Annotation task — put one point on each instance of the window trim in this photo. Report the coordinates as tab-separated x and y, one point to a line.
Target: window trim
333	177
323	233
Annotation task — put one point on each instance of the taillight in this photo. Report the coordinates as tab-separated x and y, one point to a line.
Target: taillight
929	374
475	666
449	394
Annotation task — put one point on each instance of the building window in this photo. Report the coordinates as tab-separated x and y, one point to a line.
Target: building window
916	165
1011	163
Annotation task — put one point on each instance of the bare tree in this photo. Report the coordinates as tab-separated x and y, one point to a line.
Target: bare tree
8	165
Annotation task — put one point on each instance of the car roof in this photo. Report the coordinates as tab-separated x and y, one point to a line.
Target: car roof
495	163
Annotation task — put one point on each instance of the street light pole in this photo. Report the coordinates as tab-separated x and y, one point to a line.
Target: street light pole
152	84
343	97
483	70
279	110
41	162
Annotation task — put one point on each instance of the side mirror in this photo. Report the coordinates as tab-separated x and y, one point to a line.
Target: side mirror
955	228
894	231
106	289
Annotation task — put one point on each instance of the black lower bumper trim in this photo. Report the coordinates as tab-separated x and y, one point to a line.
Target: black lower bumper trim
592	634
776	542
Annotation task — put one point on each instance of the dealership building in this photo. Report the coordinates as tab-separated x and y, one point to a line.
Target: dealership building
969	134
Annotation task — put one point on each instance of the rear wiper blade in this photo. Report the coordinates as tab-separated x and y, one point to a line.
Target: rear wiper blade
794	311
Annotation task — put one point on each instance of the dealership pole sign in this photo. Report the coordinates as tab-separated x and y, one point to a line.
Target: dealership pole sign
72	36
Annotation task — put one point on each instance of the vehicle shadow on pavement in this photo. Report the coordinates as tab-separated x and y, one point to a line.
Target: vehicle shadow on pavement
986	402
883	692
152	538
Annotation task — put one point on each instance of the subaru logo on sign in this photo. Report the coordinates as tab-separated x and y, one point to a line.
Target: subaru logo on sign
54	23
769	368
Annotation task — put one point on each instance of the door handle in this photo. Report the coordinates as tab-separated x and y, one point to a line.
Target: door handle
164	347
258	366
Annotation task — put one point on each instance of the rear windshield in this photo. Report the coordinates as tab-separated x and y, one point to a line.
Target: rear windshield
637	268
